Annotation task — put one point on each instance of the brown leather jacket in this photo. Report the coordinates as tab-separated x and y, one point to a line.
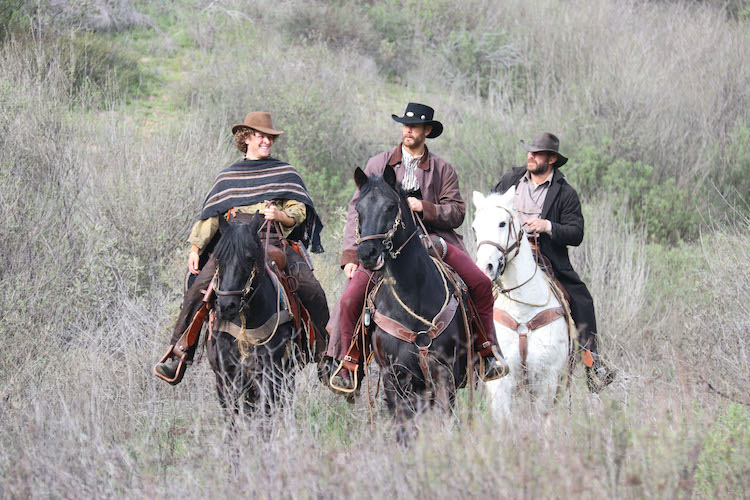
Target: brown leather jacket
443	211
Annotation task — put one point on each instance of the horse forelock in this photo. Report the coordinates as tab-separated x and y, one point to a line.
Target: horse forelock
238	241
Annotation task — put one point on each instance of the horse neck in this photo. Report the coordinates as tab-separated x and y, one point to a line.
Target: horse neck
413	272
264	298
522	272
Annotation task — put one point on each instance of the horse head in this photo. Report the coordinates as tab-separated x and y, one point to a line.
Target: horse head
382	216
240	262
497	230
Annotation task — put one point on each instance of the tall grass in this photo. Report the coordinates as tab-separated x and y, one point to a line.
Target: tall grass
100	184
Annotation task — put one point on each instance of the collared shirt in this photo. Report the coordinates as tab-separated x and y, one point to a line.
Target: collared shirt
410	183
204	230
529	199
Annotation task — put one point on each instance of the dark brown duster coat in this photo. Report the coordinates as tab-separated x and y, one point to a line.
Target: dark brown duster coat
444	209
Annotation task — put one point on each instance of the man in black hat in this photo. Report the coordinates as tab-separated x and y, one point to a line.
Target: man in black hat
431	185
550	210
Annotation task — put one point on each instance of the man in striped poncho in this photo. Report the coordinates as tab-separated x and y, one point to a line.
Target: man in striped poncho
257	183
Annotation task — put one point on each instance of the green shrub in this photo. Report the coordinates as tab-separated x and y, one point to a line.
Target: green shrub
12	17
668	211
724	463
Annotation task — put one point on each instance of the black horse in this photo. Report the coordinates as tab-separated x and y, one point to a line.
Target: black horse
414	294
252	373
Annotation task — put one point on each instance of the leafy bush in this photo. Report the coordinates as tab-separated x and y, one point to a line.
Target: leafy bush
13	17
724	465
668	211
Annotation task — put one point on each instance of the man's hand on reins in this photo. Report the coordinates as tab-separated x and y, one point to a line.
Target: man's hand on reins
414	204
537	225
273	213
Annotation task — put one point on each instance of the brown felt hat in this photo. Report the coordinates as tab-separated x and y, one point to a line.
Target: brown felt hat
544	141
260	121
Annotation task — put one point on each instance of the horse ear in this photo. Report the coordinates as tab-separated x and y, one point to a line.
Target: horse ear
360	178
389	175
478	199
508	196
257	220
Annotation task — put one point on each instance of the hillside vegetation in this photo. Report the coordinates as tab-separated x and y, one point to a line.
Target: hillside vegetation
115	116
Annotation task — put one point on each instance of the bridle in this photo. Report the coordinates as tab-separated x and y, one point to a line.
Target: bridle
246	293
387	237
509	248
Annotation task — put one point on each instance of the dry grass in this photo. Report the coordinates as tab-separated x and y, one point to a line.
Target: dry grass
97	194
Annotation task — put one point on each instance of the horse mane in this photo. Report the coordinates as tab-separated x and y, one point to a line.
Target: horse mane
377	180
238	240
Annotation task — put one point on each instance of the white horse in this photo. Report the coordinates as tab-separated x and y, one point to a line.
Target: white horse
528	315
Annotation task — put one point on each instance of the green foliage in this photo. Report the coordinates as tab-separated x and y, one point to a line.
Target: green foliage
733	181
668	211
724	463
13	17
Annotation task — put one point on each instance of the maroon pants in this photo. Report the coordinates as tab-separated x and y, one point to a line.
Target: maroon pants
480	290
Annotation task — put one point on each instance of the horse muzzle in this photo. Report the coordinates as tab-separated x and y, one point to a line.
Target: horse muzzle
371	256
227	307
493	269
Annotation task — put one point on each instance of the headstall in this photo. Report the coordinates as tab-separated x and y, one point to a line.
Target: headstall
387	237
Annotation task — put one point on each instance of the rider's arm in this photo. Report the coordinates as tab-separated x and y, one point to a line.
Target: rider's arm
450	209
294	209
203	231
569	229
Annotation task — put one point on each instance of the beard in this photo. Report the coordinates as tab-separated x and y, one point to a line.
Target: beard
537	168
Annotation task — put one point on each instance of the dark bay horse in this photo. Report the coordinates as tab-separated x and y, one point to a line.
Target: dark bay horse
254	372
424	367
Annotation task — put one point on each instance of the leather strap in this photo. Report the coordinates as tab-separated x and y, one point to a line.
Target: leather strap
523	329
190	337
254	335
396	329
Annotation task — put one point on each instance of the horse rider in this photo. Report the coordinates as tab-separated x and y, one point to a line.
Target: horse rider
432	191
550	211
257	183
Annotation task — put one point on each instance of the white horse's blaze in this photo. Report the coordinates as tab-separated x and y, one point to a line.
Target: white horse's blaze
546	360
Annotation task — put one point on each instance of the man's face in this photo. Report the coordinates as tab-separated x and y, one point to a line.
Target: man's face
540	163
413	136
259	145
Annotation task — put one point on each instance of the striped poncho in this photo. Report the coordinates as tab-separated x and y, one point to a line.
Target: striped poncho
253	181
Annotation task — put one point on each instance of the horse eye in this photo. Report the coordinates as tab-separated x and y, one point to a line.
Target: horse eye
502	224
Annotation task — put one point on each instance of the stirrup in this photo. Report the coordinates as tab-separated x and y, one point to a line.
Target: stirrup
482	369
180	367
343	390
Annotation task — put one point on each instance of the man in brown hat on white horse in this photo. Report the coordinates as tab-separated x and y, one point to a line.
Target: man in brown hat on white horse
257	183
432	191
550	211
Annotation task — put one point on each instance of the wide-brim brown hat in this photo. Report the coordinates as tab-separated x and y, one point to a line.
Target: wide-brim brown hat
419	114
260	121
544	141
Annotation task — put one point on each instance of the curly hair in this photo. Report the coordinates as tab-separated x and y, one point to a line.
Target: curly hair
240	136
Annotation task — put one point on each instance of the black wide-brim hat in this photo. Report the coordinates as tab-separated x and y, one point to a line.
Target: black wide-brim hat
417	114
544	141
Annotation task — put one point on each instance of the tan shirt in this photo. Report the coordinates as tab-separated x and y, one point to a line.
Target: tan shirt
204	230
530	197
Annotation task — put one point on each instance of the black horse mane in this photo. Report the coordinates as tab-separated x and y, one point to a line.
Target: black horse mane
238	241
375	181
